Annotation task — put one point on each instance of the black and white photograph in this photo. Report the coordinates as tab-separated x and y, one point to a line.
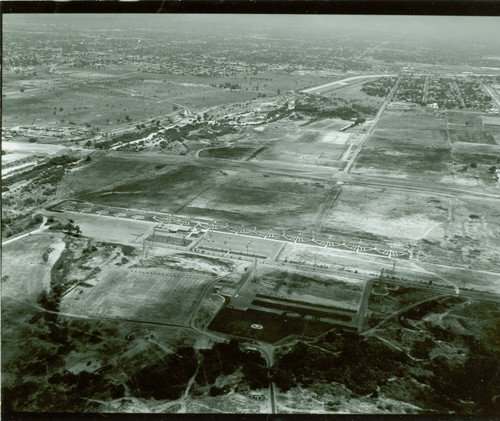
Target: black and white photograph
231	213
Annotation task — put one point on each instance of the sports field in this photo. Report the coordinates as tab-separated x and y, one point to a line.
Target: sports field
146	294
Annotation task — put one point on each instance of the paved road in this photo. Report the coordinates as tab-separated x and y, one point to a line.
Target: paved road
493	94
343	82
372	126
267	352
437	288
33	231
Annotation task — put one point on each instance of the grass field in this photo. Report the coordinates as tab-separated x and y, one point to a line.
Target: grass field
150	294
407	145
404	161
473	135
313	288
103	98
329	124
165	191
301	152
353	94
254	201
409	121
240	195
474	153
236	152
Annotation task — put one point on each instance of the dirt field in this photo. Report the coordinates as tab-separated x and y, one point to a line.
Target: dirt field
24	272
149	294
112	230
393	217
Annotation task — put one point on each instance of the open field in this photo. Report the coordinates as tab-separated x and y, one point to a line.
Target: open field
252	203
480	136
106	97
121	231
303	152
165	191
354	95
238	196
314	288
391	217
22	150
410	121
473	162
150	294
25	274
329	124
407	146
237	152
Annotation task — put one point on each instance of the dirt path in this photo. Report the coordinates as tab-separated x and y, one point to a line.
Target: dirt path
371	332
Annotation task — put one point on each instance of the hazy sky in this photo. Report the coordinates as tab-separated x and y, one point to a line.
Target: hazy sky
447	28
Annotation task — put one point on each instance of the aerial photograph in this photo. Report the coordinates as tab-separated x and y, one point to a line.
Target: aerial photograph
250	214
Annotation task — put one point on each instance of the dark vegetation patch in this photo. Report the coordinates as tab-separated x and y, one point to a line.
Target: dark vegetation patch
41	381
284	309
228	152
12	225
167	239
225	359
473	158
470	135
365	367
165	378
359	364
52	170
165	191
416	160
324	107
275	327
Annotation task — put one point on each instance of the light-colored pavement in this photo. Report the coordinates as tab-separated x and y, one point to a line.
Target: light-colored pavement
493	93
343	82
372	126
